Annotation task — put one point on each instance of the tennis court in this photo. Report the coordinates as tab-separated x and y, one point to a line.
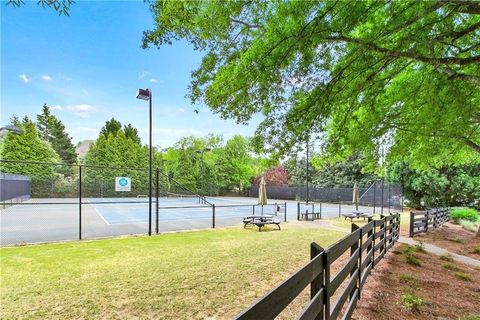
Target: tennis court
57	219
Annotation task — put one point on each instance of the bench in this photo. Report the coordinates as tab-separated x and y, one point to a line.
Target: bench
261	221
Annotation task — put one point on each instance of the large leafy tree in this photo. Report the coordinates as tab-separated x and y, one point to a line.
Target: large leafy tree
51	129
447	186
27	146
355	72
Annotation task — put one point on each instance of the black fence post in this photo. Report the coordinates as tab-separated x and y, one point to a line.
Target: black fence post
80	202
411	225
213	216
285	218
339	209
320	210
298	210
317	283
157	196
358	265
374	196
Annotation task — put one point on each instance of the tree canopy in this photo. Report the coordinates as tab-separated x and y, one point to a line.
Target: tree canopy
51	129
356	73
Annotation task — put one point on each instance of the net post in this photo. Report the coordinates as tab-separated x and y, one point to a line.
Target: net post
298	210
285	214
320	204
80	202
157	195
213	216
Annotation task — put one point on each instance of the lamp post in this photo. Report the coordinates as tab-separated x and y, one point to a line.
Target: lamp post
307	166
201	152
146	94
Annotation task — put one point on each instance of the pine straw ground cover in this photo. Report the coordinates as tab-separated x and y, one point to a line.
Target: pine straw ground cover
454	238
432	289
212	274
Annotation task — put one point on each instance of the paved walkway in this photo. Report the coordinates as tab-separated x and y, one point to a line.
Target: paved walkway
440	251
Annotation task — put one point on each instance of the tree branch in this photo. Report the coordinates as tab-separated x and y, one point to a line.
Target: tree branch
406	54
462	6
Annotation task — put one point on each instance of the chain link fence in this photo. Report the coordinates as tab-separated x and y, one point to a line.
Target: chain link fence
43	202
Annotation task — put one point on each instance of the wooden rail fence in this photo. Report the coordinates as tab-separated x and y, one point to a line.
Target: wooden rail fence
422	221
332	296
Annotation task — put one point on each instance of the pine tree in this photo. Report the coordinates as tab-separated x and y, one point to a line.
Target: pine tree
52	130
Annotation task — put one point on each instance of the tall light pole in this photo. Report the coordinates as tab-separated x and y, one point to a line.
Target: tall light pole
201	152
146	94
307	165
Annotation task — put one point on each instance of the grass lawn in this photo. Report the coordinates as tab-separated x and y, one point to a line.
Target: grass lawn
191	275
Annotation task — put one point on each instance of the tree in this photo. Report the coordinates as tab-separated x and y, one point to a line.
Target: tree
234	164
62	7
53	130
112	126
131	133
27	146
356	72
446	186
276	176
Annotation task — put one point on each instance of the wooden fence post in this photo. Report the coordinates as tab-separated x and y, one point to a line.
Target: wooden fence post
317	284
411	224
358	265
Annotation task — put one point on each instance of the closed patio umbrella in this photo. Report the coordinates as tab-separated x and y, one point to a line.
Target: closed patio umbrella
356	195
262	193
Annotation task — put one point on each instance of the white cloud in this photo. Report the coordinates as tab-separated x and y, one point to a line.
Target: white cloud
24	78
153	80
57	107
82	110
143	74
46	77
181	110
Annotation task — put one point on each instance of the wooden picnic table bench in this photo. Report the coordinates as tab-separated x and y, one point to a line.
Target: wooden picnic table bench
357	215
261	221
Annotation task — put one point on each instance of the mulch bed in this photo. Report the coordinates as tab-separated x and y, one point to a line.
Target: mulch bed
445	296
453	238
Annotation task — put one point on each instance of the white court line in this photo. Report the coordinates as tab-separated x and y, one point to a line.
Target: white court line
98	212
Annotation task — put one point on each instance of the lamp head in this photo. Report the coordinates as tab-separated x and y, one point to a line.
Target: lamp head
143	94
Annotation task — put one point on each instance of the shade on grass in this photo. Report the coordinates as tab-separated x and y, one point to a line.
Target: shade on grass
172	276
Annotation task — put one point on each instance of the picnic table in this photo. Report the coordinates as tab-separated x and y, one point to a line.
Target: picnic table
356	214
261	220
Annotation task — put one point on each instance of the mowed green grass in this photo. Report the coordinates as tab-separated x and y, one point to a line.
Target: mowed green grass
192	275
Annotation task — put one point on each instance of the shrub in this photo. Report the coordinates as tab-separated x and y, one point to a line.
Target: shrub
410	258
471	317
476	250
446	257
451	267
418	247
469	225
408	279
456	240
463	276
412	302
464	214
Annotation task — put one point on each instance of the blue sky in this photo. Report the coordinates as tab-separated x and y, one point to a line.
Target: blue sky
88	66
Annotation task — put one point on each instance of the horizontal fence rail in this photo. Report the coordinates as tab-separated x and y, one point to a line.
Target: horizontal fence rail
332	296
422	221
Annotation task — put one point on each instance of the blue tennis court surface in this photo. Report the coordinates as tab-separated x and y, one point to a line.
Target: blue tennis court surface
124	210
